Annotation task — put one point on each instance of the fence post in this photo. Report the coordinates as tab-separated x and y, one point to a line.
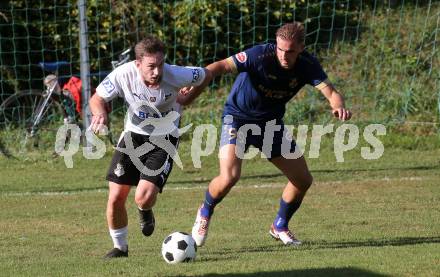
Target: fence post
85	66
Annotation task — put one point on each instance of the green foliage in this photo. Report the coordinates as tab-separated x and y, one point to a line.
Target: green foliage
383	55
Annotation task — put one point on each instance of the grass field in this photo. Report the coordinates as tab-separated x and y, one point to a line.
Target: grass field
360	218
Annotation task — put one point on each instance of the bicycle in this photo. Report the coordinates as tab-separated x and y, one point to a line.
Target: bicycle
34	111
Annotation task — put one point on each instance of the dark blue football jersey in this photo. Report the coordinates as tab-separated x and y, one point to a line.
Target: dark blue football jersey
262	87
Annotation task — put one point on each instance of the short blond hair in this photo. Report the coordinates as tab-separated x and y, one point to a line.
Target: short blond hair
292	31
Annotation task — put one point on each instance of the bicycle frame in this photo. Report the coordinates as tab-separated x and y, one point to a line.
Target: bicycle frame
52	86
51	83
124	57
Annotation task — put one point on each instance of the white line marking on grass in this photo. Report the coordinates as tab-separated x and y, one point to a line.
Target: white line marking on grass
264	186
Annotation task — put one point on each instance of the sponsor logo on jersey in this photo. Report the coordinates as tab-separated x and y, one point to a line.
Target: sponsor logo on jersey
119	170
153	114
241	57
108	85
196	75
277	94
143	115
152	99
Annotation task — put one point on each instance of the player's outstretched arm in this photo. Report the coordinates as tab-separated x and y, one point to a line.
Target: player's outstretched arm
336	103
188	94
99	113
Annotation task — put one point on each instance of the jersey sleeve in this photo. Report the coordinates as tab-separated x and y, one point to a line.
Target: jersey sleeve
183	76
245	60
109	88
316	75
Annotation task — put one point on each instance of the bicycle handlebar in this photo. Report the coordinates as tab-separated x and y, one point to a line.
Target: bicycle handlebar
123	58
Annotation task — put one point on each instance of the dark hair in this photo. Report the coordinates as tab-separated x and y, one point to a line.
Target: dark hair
149	45
292	31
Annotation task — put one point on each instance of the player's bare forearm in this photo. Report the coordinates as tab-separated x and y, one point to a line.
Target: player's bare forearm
99	112
336	100
336	103
220	68
97	105
188	94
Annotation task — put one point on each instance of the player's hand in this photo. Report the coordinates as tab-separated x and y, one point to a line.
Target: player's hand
342	114
186	90
98	122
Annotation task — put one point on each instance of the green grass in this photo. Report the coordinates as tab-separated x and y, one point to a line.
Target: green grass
366	218
360	218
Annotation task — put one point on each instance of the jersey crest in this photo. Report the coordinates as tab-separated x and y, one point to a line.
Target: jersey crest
241	57
119	170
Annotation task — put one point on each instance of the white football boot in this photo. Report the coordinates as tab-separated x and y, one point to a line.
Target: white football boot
286	237
200	228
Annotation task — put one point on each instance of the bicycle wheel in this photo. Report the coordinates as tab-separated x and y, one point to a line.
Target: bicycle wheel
18	115
19	109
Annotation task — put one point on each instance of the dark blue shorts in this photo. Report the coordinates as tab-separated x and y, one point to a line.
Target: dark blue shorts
269	137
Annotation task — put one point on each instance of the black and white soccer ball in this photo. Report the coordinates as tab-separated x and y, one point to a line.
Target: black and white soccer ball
179	247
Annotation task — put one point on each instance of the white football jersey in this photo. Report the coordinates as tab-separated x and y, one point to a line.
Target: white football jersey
150	111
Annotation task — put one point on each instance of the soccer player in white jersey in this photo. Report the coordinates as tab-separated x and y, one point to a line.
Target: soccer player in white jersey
150	88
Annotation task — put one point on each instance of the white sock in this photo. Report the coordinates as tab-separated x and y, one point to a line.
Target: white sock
119	237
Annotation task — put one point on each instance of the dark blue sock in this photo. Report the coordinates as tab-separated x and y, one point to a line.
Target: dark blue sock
209	205
285	213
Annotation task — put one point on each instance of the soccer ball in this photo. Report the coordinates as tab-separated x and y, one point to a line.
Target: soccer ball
179	247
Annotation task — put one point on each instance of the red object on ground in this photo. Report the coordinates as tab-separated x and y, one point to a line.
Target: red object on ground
74	86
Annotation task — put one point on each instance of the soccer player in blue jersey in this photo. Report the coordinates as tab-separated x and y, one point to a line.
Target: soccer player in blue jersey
269	76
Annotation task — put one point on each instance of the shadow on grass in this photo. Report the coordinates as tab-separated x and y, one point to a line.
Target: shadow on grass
313	245
64	190
273	175
401	241
327	271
